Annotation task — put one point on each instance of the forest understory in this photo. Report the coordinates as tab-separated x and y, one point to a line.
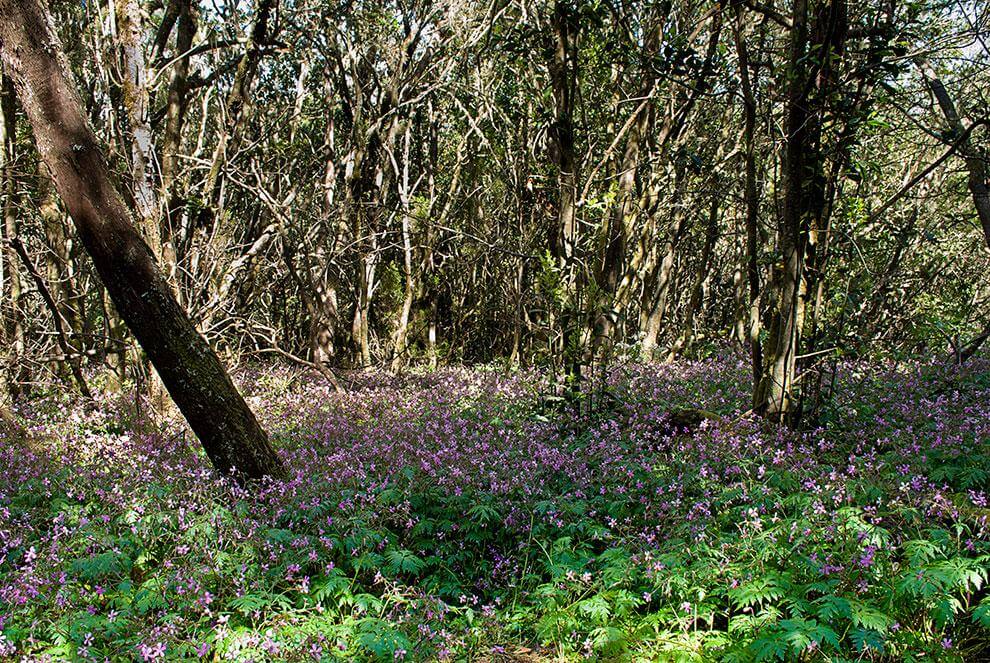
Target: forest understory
461	515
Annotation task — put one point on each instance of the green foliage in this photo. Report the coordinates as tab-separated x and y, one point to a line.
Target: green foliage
709	552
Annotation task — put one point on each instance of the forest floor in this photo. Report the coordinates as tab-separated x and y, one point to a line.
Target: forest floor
461	515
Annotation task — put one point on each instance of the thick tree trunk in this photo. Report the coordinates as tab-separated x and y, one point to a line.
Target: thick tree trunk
190	369
773	394
811	81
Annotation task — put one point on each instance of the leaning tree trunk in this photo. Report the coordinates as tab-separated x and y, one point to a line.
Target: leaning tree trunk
189	368
976	163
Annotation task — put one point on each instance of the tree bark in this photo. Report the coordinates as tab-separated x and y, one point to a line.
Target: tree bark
752	199
136	98
190	369
136	102
810	82
59	263
563	69
175	116
400	337
16	373
238	110
656	311
686	340
624	214
976	164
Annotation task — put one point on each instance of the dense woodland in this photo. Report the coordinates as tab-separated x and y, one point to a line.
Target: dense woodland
509	303
378	184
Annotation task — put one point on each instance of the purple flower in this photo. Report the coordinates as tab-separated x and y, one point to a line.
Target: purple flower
152	652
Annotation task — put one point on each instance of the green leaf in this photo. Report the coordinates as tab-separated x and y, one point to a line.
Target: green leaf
920	551
770	648
380	639
864	638
869	617
596	607
981	615
328	586
759	590
830	607
403	561
248	603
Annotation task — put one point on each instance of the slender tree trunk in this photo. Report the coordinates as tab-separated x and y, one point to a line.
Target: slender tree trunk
358	187
364	272
751	196
658	287
564	238
72	358
212	218
190	369
686	340
399	345
136	103
238	108
114	342
16	373
974	345
625	212
365	262
60	262
175	115
135	96
660	271
657	310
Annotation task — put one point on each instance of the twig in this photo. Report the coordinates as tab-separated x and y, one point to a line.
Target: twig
46	294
